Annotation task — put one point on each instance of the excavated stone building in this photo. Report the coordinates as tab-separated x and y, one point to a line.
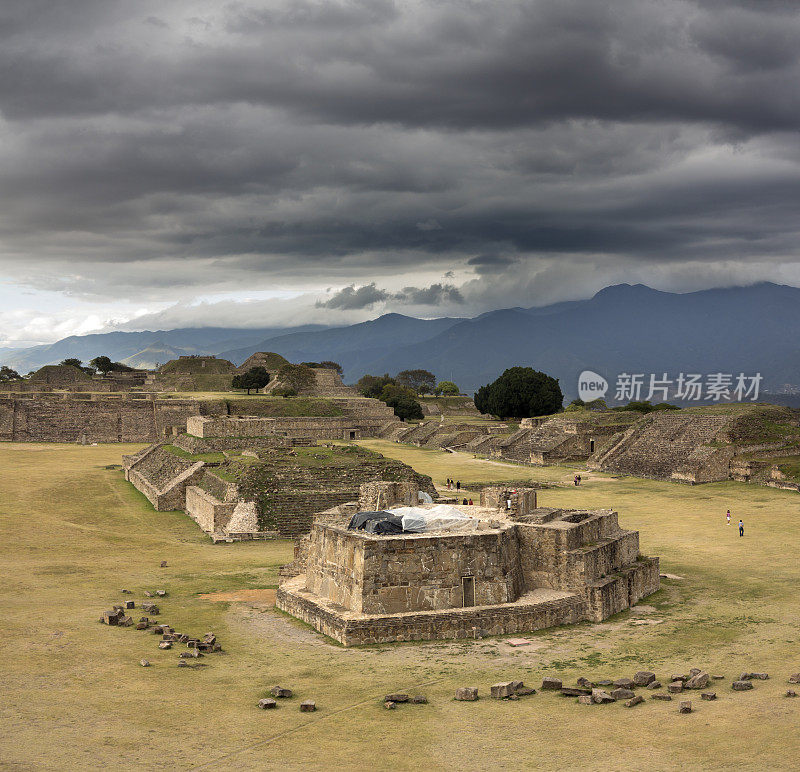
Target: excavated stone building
512	568
246	480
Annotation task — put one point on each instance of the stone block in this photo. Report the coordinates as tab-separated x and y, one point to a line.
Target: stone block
467	693
550	684
419	700
678	677
654	685
396	698
585	682
502	690
585	699
741	686
697	681
644	678
676	687
128	604
267	703
525	691
389	705
624	683
126	622
308	706
111	618
601	697
794	678
660	696
279	691
165	644
161	593
622	694
718	677
685	707
633	701
708	696
144	662
791	693
575	691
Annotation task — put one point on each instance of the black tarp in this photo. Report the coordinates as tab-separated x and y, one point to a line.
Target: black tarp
377	522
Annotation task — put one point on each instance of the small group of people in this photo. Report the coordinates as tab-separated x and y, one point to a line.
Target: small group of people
453	484
466	503
577	479
741	522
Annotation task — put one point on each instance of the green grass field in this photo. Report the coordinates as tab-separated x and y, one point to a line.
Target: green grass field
73	695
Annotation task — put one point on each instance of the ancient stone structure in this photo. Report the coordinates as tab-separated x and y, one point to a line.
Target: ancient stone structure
680	446
141	417
542	568
275	492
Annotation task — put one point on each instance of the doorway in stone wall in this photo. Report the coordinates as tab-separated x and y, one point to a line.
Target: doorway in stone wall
468	590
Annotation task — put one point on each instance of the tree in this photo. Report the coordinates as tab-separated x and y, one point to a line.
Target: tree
328	365
402	400
520	392
372	385
74	362
446	389
255	378
7	374
421	381
102	363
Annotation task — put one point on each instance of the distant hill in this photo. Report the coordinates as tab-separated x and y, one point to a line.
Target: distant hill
121	346
354	347
624	328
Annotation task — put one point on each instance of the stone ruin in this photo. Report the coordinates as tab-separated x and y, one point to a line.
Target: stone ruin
262	486
519	568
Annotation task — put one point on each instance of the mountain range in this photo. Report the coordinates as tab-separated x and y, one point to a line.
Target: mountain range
622	329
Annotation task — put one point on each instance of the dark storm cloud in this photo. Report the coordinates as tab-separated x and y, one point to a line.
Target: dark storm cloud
165	148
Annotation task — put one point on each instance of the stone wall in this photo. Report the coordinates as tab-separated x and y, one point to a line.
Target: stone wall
97	418
460	623
162	476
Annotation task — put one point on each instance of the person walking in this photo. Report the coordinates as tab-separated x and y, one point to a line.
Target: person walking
458	485
741	528
728	516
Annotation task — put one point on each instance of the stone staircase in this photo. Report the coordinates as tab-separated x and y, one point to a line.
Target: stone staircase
665	443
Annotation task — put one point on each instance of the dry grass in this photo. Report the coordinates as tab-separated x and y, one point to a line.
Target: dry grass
74	697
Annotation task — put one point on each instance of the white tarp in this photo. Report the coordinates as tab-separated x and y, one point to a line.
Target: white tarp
442	517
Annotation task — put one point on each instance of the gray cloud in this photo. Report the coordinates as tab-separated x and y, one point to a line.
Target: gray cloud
350	298
162	152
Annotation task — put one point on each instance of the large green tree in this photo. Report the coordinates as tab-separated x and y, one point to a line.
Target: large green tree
372	385
520	392
255	378
421	381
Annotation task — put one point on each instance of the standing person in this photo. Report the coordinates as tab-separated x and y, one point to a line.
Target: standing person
458	485
448	483
728	516
741	528
580	479
575	480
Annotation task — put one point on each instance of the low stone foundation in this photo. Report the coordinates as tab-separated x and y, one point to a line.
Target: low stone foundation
535	611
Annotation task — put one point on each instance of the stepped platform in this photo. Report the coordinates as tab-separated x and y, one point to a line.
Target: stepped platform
518	569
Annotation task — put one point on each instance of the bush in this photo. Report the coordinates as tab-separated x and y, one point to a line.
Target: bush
644	406
285	392
520	392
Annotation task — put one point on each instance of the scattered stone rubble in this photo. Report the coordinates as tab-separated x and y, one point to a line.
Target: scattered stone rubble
197	647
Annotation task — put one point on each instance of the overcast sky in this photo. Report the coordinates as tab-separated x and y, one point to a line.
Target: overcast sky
252	163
